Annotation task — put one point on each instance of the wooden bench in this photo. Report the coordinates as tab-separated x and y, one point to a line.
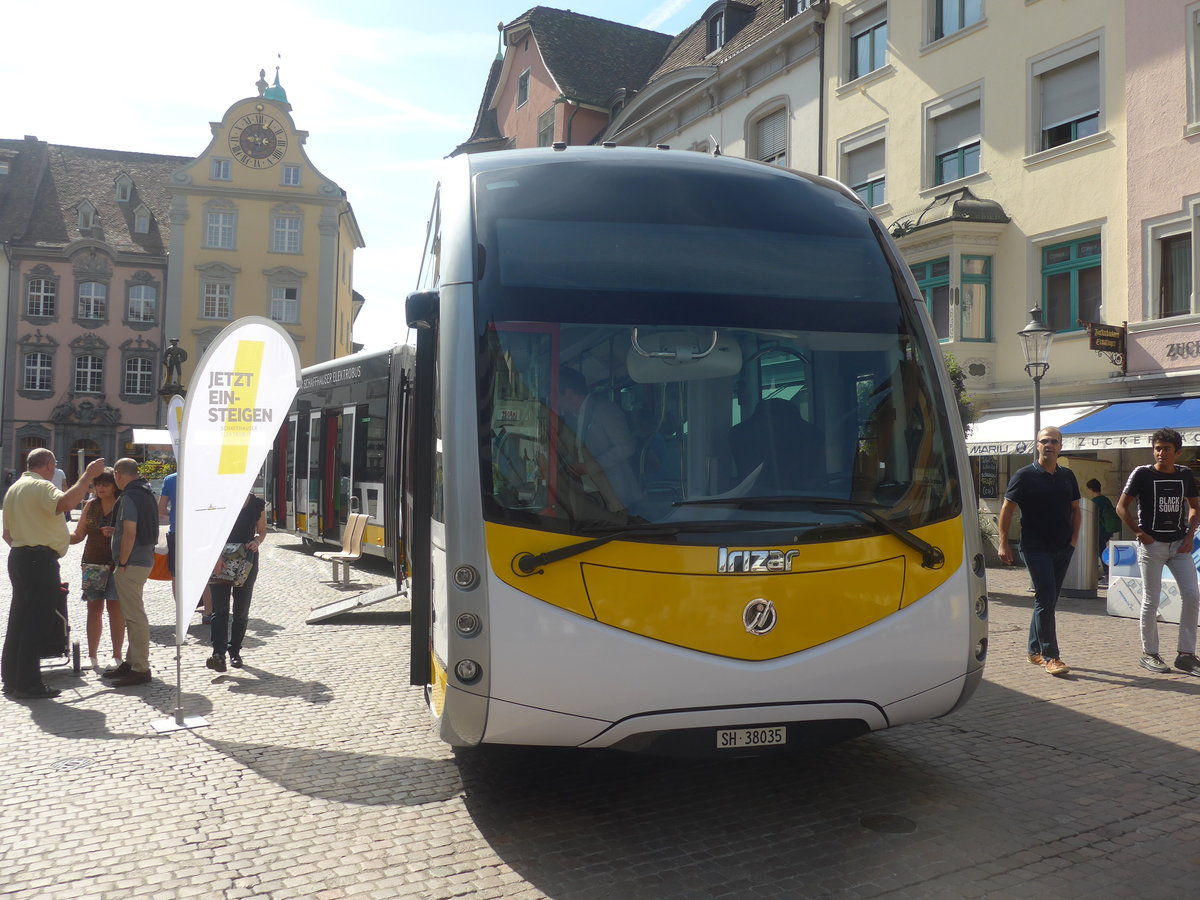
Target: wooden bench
352	538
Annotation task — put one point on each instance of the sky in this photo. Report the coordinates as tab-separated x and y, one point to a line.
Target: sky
384	88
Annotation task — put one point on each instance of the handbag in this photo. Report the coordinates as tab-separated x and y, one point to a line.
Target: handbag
233	565
95	579
160	571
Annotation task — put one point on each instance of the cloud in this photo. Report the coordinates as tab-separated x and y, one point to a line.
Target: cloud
662	12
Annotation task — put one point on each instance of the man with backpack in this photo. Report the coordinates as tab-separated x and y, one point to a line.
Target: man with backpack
135	535
1108	522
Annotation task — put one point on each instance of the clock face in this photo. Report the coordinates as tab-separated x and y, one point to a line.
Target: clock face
257	141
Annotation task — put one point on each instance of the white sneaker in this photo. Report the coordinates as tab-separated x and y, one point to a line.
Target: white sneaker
94	663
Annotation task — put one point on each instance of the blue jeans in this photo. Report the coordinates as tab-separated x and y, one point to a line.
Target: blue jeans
1047	569
1151	559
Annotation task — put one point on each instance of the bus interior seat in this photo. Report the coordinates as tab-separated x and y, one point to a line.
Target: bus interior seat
789	448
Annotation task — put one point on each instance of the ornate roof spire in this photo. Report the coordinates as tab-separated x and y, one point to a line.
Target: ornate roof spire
276	91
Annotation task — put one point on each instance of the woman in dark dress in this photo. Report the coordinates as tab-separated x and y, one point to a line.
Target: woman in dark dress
227	635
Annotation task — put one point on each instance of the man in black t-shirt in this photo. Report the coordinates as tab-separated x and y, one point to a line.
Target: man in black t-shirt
1168	512
1048	497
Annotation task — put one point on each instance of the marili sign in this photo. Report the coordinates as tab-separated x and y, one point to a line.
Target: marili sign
239	397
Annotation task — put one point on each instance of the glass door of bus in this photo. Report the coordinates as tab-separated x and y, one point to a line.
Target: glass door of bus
312	506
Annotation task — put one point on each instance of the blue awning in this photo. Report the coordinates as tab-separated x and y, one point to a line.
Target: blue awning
1131	424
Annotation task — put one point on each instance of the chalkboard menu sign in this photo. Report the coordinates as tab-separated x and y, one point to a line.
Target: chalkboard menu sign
989	477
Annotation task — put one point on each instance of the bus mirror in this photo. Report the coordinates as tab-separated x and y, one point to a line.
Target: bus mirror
666	356
421	308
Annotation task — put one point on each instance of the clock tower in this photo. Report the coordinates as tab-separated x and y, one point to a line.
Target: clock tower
258	230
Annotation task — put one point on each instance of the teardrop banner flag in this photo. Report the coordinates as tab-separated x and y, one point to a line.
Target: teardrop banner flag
174	423
239	397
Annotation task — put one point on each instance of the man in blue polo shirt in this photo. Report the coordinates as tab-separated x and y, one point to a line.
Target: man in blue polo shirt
1048	497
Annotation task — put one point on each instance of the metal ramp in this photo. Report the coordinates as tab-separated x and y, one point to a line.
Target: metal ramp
345	604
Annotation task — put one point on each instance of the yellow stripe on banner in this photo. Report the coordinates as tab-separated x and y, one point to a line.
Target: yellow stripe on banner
235	445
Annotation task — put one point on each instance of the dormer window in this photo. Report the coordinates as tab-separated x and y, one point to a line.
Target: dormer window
87	215
141	220
124	186
716	32
723	20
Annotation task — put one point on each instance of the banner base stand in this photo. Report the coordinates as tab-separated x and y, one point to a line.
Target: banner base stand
164	726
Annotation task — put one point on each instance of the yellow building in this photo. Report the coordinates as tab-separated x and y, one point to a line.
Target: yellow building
257	230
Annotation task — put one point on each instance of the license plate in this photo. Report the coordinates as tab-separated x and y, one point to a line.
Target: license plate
734	738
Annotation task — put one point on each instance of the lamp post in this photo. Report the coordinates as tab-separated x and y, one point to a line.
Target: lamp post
1036	339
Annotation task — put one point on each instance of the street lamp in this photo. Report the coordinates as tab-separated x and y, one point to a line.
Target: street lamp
1036	339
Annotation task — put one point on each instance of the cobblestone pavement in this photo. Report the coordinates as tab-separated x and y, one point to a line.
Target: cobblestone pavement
318	777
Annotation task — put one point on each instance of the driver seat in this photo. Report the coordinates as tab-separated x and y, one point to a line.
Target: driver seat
790	449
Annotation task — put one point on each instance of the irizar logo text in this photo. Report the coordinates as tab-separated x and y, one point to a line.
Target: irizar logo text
754	561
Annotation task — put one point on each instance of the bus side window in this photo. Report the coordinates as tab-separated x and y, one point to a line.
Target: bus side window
431	274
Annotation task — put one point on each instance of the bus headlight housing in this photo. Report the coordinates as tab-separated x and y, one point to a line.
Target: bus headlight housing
468	671
981	649
465	577
981	606
468	624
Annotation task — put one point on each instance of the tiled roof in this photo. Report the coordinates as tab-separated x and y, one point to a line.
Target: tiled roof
486	129
690	47
77	174
591	59
18	189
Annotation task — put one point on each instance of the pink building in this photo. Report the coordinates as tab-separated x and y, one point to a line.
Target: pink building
1162	100
87	273
560	77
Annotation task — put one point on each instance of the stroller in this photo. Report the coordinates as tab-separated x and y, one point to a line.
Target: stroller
57	645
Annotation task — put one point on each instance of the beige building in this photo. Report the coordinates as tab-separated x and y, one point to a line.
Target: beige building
257	230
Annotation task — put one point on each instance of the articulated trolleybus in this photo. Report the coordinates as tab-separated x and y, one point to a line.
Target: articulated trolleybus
682	470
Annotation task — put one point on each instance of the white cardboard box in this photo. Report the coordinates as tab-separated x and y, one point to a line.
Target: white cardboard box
1125	599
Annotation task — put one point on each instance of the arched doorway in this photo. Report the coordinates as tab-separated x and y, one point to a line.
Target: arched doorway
71	465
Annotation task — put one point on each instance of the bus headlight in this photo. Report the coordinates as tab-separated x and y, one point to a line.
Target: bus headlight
466	577
468	624
980	649
981	606
467	671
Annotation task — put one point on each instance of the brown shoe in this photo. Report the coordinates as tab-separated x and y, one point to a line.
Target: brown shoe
132	678
1057	667
1036	659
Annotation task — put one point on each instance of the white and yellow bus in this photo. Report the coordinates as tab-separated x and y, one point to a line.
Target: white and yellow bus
683	471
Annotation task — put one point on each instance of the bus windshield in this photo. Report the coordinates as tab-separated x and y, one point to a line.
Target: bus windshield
742	358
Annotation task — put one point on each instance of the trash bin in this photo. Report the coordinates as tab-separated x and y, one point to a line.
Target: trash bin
1084	571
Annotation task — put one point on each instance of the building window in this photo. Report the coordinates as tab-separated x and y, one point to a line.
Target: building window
864	167
38	372
87	215
1071	285
285	305
220	169
219	231
955	141
216	302
716	32
139	376
1067	92
124	188
1175	276
933	278
89	375
975	299
1193	67
143	298
41	298
93	297
291	176
285	234
141	220
868	44
545	134
954	15
770	138
522	88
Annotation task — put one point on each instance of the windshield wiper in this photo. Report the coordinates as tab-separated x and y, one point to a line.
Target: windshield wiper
931	557
529	563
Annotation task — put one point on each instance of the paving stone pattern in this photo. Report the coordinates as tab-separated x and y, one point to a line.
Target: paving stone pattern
319	777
